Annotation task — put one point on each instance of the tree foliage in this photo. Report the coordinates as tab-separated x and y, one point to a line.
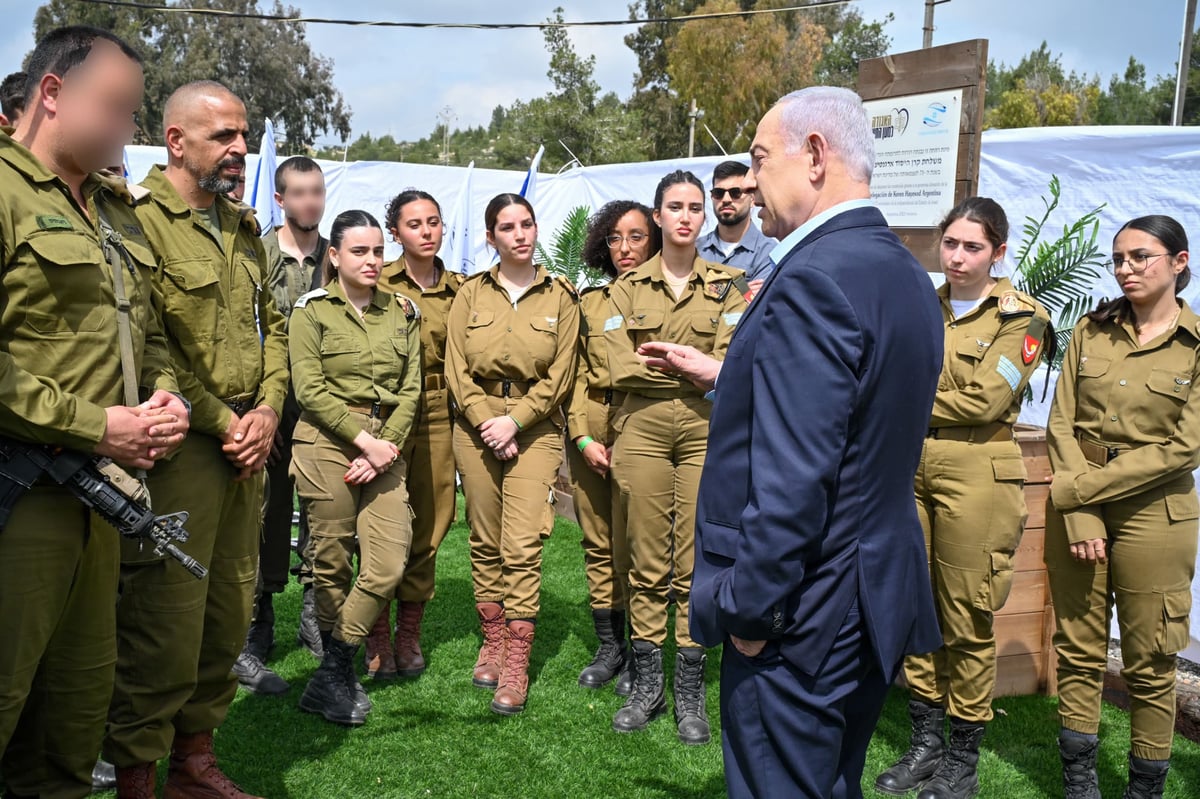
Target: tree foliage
268	64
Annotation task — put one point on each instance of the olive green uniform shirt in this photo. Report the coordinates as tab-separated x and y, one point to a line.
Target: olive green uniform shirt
60	366
289	279
227	338
991	352
532	341
643	308
340	359
1136	398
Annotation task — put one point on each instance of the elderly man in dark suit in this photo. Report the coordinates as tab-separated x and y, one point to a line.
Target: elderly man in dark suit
810	565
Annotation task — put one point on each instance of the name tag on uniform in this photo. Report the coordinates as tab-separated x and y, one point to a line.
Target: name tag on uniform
54	222
613	323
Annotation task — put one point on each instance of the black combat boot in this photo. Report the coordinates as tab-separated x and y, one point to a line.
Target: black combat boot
956	777
260	638
1078	751
309	635
327	693
925	750
610	656
691	707
647	702
1147	778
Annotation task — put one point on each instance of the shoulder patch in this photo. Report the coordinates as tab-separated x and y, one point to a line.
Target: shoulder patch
717	289
1014	303
568	285
454	279
312	295
410	308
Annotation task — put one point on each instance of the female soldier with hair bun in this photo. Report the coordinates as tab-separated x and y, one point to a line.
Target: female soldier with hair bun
970	500
414	219
1124	439
355	367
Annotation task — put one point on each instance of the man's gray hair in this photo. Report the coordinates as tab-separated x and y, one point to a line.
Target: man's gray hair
839	116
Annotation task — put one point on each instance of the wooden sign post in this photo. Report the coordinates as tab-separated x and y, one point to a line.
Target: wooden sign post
958	69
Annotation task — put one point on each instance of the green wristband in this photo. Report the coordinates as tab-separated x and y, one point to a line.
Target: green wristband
518	424
583	442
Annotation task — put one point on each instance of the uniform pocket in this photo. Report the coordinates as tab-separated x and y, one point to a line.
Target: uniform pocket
1008	468
1174	633
998	583
644	325
191	295
479	331
1168	383
973	347
1090	366
70	280
1182	505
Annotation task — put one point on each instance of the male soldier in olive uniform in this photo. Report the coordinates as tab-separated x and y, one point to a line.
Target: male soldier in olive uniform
61	384
179	638
294	252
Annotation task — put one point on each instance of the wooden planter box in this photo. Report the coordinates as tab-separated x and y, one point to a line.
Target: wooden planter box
1024	650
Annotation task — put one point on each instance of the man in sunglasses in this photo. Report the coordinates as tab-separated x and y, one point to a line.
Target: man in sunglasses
736	241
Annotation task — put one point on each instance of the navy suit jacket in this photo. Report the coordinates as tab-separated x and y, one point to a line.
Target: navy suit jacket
821	410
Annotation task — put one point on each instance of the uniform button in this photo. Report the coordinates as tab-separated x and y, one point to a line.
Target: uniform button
1122	382
1176	389
506	358
954	327
510	330
1113	417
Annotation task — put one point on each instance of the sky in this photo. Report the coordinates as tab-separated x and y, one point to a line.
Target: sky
396	81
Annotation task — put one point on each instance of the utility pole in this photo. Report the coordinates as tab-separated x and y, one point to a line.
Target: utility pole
927	40
693	115
446	115
1185	61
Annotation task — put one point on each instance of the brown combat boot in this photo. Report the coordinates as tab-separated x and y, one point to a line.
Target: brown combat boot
194	773
487	666
514	673
137	782
409	660
381	663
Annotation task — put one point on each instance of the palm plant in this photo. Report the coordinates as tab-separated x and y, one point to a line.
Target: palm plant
1060	272
565	255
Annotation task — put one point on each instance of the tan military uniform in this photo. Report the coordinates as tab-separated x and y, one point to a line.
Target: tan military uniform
430	451
178	636
1124	438
517	359
352	374
59	370
591	410
969	488
662	431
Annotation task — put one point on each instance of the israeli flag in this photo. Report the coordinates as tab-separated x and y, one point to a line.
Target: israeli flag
529	187
260	190
459	248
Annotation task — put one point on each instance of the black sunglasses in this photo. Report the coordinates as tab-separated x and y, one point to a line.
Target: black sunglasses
734	194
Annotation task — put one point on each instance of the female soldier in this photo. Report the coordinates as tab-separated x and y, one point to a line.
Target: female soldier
969	491
354	354
621	236
1124	438
510	364
662	434
414	219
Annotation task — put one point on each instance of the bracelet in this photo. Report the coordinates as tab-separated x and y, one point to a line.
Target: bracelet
514	421
583	442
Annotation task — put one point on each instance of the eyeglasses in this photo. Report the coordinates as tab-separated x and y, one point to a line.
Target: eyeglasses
1137	262
634	239
734	194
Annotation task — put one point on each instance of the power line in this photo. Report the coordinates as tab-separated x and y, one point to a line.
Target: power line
217	12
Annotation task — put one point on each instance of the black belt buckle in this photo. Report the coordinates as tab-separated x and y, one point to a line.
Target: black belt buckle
1113	452
608	396
376	410
505	387
932	433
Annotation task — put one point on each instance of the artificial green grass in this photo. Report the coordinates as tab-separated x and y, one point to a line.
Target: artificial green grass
435	736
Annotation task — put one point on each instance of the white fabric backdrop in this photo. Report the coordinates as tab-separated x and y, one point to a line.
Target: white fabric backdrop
1131	170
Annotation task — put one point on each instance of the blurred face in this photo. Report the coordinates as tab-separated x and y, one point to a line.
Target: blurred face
419	229
967	255
514	235
629	242
303	199
211	142
1147	270
681	214
782	183
730	209
94	107
359	259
